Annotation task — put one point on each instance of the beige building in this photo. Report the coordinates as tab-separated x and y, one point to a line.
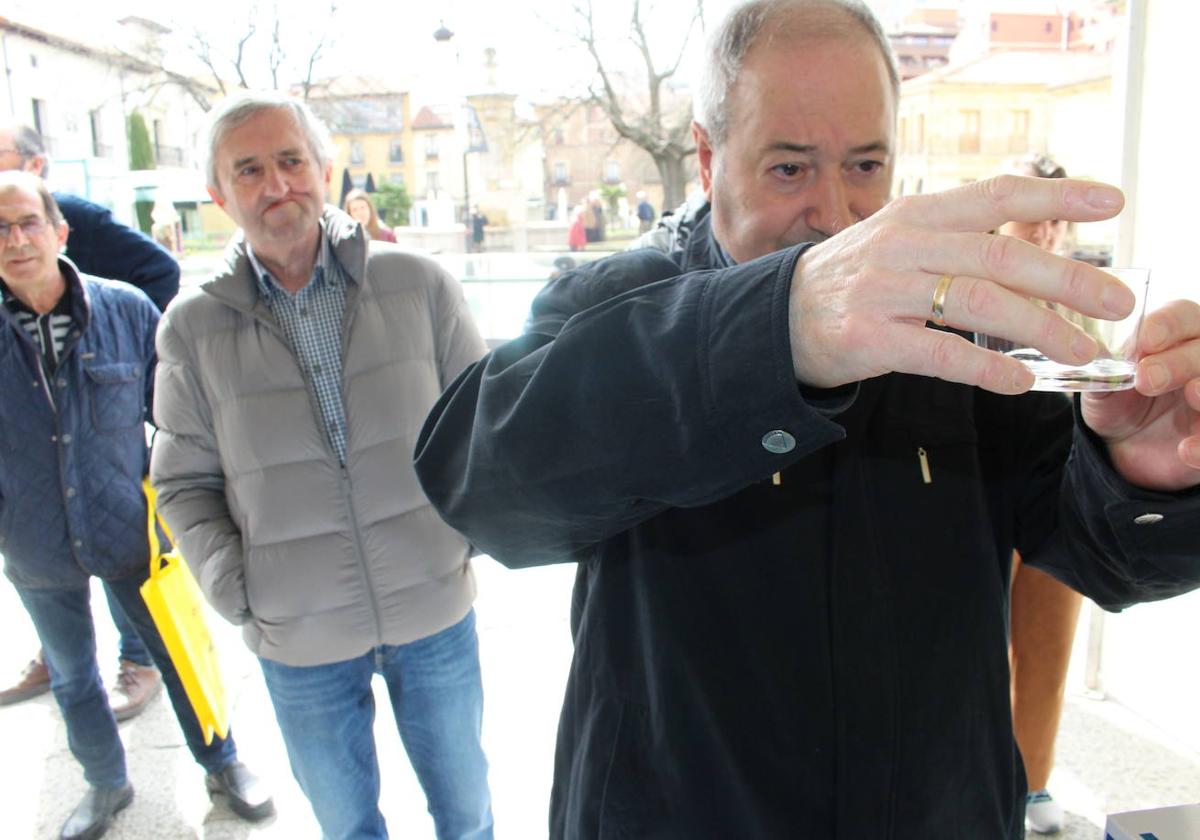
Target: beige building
372	134
583	152
969	121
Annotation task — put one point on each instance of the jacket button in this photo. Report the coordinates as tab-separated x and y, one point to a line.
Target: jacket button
54	438
62	383
78	543
1148	519
66	438
70	492
778	442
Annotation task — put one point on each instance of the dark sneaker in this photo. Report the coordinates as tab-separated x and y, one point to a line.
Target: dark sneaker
248	796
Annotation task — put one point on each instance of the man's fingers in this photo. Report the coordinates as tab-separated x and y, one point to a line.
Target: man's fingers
1027	270
985	205
1170	338
982	306
948	356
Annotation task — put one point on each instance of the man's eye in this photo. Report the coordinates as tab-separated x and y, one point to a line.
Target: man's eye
789	170
868	166
247	171
291	163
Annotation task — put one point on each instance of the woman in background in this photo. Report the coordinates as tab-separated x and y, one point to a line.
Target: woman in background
1042	612
359	205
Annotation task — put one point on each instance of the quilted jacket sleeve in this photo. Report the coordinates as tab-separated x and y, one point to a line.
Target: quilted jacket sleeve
186	469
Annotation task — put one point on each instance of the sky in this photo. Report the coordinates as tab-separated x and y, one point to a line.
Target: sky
389	40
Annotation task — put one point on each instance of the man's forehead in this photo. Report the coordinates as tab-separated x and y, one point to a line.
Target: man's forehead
19	201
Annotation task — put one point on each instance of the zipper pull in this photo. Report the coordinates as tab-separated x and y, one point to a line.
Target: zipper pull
777	479
923	457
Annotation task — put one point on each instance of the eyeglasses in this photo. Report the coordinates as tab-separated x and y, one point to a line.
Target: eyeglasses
31	227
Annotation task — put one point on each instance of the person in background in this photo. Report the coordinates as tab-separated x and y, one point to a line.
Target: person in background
577	238
1043	611
290	389
101	246
479	222
71	500
793	484
645	213
360	207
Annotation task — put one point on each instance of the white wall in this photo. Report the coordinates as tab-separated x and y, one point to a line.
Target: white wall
1151	661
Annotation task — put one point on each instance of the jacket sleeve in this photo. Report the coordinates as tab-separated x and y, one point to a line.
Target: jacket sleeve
100	245
1117	543
186	470
454	330
633	390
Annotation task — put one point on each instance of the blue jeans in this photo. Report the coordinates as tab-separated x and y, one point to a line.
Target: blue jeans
63	620
129	645
326	714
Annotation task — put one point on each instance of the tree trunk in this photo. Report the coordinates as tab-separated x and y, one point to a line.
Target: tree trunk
674	180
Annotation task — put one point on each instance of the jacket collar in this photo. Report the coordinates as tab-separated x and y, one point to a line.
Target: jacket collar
235	283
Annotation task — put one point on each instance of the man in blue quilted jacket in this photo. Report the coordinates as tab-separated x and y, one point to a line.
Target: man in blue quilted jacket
103	247
76	365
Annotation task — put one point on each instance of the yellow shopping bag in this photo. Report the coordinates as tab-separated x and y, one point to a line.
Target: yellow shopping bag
177	607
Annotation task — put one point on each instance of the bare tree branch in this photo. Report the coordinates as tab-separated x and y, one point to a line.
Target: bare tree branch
241	53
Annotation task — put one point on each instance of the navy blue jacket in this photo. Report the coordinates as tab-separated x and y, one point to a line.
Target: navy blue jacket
73	447
101	246
821	658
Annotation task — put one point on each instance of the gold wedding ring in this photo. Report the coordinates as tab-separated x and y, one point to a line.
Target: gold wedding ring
938	311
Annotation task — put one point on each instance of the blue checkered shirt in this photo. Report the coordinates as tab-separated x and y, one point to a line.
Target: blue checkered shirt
311	321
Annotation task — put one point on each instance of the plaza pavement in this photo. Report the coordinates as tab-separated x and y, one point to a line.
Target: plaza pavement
1109	759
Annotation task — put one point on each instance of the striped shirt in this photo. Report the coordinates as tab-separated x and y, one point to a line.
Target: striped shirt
47	331
311	320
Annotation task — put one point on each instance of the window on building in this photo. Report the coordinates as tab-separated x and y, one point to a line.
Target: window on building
41	121
968	132
396	178
99	148
356	153
612	172
32	60
561	175
921	133
158	140
432	183
431	145
395	150
559	137
902	131
1018	132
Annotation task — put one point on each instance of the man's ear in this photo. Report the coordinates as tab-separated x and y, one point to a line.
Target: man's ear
62	229
35	164
704	154
216	196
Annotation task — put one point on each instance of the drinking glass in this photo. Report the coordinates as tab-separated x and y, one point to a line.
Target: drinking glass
1114	366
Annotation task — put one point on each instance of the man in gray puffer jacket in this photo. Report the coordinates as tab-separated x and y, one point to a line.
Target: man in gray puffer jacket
289	394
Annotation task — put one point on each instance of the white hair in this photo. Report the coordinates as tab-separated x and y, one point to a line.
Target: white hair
240	107
737	33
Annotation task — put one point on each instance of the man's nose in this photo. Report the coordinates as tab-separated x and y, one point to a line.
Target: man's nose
829	211
275	182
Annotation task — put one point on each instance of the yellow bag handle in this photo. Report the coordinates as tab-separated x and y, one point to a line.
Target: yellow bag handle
152	516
